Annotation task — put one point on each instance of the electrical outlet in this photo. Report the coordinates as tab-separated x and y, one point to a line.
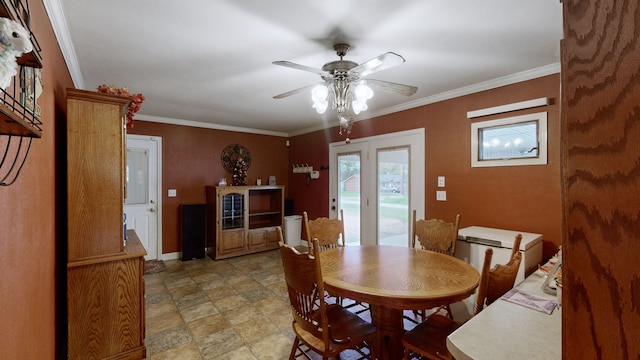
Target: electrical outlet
441	195
172	193
440	181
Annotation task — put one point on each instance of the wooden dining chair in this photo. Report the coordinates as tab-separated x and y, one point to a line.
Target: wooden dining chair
435	235
429	338
330	234
326	329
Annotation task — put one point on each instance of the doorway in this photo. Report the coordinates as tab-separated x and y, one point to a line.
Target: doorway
377	182
143	203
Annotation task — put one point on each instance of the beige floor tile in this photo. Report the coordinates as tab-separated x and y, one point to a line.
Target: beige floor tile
199	311
242	314
208	325
242	353
273	304
221	292
163	322
153	310
217	344
230	303
255	329
186	352
272	347
230	309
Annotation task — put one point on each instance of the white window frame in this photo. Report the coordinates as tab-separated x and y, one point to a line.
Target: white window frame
541	159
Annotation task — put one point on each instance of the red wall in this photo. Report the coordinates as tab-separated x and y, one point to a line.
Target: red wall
524	198
192	160
32	270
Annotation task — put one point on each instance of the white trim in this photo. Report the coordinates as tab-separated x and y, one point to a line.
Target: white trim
541	117
59	24
508	107
367	146
163	120
471	89
171	256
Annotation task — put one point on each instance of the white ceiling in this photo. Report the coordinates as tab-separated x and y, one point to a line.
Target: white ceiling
210	62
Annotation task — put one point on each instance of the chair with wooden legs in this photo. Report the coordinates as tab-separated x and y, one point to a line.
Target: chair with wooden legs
326	329
428	339
330	234
435	235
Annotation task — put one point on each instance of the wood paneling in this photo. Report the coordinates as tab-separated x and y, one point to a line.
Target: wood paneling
601	180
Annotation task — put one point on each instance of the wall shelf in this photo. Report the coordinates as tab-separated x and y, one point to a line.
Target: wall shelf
19	125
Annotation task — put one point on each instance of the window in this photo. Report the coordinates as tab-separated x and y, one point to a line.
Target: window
518	140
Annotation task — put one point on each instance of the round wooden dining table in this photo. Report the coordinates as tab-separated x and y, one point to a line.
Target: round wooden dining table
392	279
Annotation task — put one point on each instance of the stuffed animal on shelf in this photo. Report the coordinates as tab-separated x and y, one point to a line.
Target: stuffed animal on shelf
14	41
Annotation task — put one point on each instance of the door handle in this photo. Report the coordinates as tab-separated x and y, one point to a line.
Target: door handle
152	210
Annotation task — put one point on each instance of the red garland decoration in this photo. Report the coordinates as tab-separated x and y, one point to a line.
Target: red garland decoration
134	105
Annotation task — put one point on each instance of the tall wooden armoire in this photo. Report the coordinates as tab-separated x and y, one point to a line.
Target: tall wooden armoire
105	284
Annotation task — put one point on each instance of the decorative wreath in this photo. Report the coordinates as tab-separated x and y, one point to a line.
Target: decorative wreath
235	154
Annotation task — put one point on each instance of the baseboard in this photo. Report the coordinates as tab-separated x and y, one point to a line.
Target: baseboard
172	256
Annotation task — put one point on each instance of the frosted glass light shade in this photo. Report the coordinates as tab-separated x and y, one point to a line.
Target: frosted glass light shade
319	93
363	92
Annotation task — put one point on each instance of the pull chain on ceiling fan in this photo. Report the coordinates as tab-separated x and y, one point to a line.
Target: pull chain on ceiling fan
344	78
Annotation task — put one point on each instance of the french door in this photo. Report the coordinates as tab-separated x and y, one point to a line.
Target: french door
377	182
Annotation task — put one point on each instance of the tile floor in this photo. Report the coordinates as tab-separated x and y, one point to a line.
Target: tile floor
227	309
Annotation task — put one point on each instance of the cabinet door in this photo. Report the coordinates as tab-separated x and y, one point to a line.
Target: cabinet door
106	310
272	237
95	173
231	241
257	239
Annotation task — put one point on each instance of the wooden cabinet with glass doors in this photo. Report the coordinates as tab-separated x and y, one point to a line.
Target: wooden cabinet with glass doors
243	219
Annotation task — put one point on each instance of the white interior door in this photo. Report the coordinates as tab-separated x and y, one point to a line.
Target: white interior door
377	182
143	201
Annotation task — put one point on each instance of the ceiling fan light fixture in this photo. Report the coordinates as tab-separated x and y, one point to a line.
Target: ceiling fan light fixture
359	105
321	106
348	88
319	97
363	92
319	93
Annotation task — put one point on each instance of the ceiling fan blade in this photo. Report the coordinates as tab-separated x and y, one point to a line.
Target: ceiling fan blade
379	63
296	91
387	86
301	67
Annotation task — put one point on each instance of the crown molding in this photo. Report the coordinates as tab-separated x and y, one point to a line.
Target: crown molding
59	24
199	124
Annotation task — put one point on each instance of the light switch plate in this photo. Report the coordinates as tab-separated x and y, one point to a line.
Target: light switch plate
441	195
440	181
172	193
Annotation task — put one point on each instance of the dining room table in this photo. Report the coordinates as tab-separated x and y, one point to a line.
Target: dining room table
392	279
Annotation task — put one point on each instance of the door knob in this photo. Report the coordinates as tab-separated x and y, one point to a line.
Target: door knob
152	210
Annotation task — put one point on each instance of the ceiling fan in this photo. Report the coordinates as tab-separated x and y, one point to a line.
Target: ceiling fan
346	79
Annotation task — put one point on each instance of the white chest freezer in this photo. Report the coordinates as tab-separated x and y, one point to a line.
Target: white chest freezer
471	245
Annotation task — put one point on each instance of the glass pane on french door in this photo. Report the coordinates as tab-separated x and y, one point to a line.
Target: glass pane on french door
349	187
137	173
393	196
